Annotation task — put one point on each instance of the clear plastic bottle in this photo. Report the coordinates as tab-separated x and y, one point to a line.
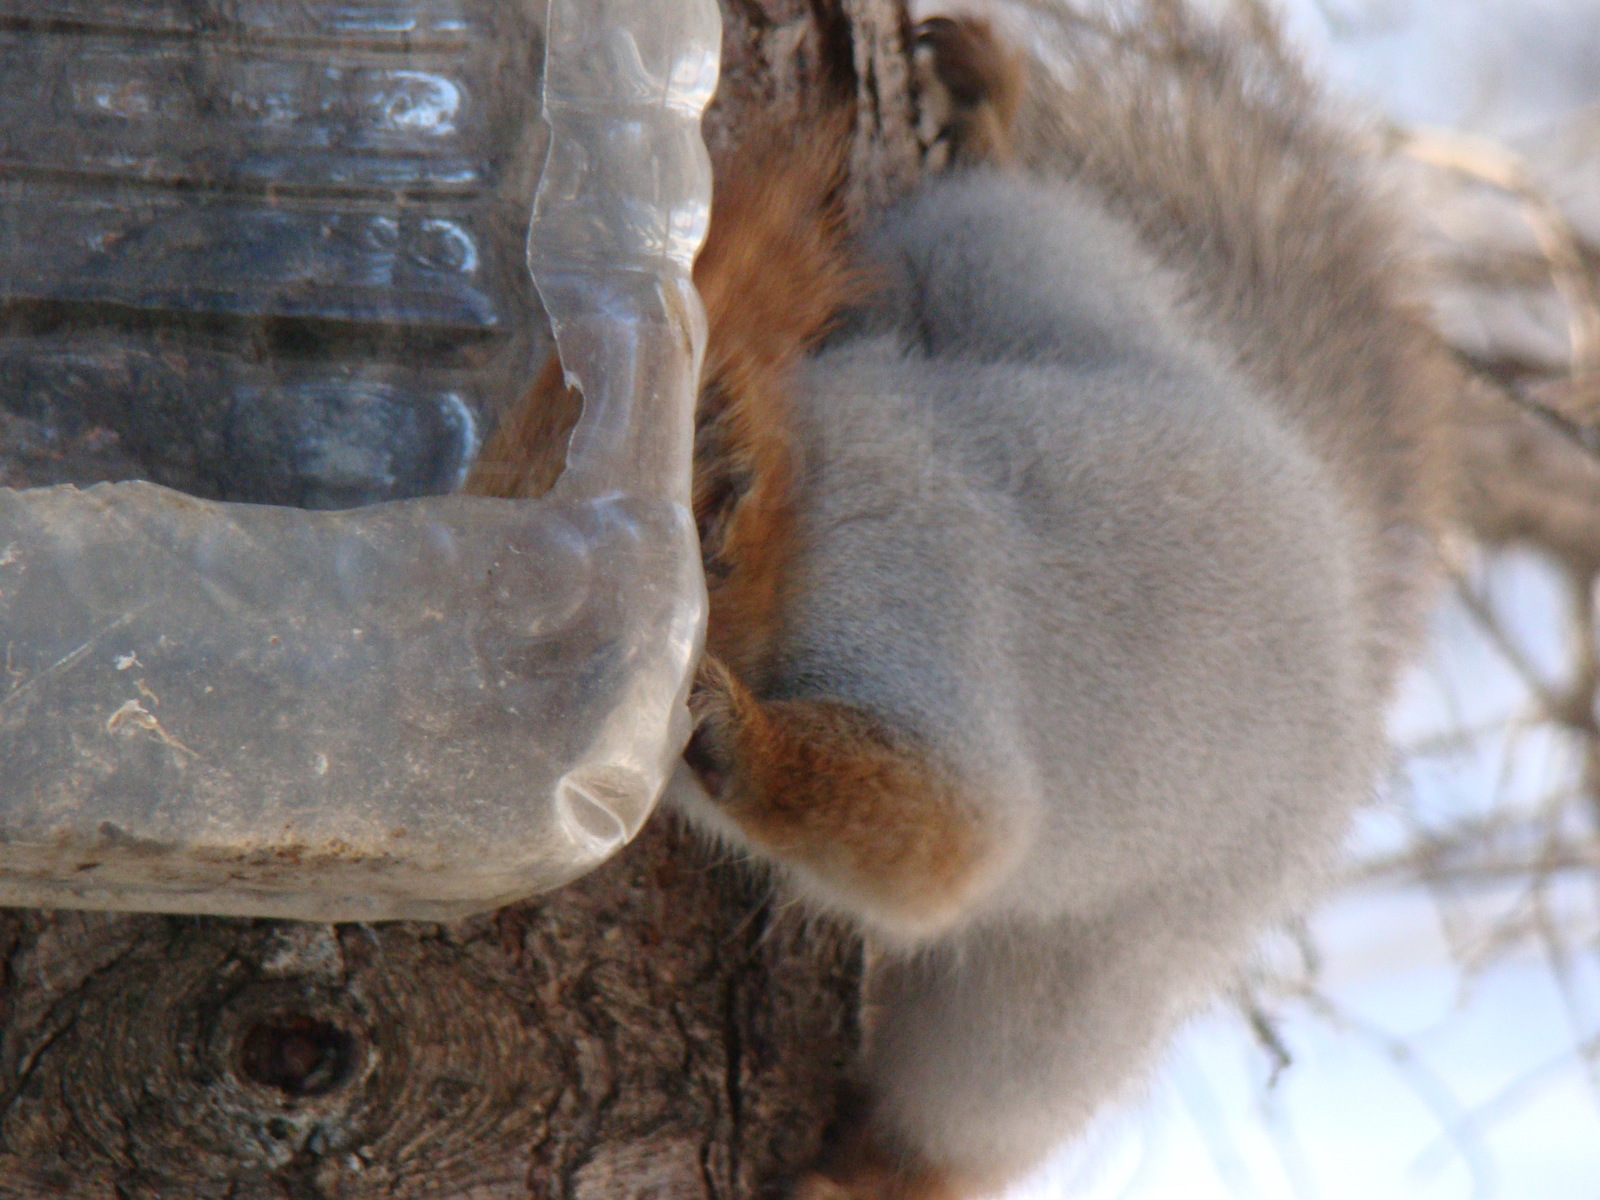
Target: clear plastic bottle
419	708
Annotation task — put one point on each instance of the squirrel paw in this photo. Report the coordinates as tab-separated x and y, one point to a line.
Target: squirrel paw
858	1164
880	1184
717	702
819	1187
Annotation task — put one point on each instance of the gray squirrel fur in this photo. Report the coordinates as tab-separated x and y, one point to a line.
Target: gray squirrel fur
1116	504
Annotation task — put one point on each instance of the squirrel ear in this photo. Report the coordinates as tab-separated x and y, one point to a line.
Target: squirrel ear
971	83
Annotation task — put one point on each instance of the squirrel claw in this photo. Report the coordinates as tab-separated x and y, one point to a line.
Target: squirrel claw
819	1187
714	702
871	1185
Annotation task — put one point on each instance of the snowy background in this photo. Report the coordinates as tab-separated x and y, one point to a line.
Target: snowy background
1442	1038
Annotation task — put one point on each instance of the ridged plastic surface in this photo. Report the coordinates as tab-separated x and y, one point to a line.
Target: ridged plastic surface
277	246
418	709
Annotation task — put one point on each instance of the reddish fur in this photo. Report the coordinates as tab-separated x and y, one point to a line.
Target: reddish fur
524	455
875	1178
862	1164
829	787
775	273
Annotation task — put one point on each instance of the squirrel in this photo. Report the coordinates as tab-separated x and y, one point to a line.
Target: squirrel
1065	531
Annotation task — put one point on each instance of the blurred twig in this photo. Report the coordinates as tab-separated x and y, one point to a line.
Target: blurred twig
1505	1103
1494	164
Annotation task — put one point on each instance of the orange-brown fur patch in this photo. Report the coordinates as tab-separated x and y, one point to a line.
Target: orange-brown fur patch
879	1182
826	785
775	274
523	457
860	1163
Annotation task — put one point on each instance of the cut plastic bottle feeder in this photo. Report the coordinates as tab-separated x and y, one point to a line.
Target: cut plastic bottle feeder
418	708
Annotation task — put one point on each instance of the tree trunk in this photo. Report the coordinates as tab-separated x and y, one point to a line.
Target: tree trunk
657	1029
652	1030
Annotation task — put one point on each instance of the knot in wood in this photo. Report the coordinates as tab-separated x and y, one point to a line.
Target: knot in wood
297	1054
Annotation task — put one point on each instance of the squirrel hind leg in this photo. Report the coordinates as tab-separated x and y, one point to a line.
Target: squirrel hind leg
859	1163
865	818
971	83
878	1181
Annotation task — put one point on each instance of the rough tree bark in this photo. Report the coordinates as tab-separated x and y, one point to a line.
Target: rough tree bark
657	1029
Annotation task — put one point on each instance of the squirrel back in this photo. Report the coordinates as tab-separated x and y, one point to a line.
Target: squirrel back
1210	142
